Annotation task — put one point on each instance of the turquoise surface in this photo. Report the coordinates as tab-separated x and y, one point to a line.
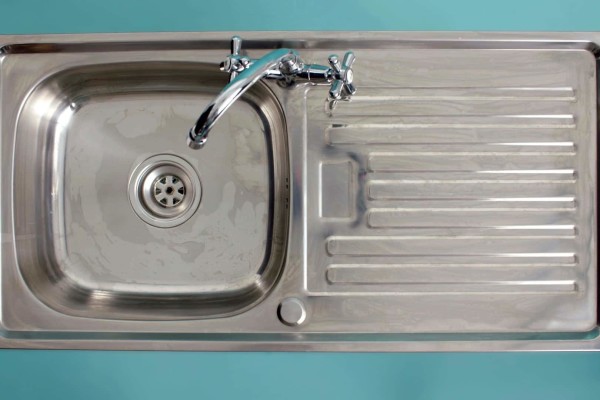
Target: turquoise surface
28	374
43	16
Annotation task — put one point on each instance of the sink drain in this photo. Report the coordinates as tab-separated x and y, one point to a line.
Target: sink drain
168	190
164	190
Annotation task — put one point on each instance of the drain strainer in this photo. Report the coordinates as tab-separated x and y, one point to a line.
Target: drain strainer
164	190
169	190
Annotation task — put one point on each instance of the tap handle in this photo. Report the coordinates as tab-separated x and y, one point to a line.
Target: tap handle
236	45
342	87
349	58
235	62
334	62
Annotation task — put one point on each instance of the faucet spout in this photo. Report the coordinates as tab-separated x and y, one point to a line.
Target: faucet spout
281	64
256	70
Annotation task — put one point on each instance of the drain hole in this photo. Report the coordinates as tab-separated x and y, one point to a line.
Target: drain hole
169	190
164	190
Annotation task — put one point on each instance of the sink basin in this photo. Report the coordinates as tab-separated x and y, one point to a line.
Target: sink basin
451	205
94	243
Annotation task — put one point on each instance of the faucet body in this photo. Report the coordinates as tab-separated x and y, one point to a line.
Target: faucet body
284	65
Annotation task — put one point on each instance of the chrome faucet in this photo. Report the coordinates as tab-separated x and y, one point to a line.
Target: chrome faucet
284	65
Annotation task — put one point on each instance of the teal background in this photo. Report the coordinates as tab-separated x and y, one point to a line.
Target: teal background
29	374
44	16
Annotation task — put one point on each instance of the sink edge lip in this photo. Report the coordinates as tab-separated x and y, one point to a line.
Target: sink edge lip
223	37
290	341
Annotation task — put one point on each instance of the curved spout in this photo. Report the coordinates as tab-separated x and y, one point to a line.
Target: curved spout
263	67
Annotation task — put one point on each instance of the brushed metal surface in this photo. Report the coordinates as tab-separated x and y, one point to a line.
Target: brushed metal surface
451	205
472	185
80	247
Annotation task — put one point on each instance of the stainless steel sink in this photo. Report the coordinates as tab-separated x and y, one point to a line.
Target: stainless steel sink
450	205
